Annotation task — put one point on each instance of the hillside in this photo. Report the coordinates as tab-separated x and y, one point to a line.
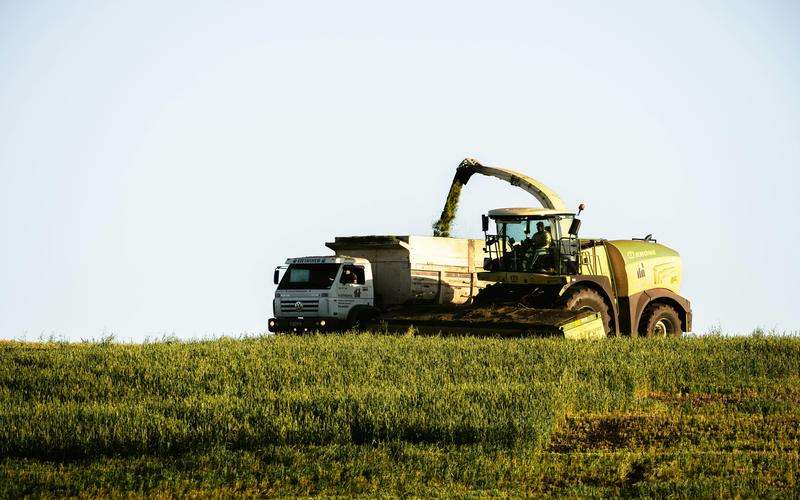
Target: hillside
359	414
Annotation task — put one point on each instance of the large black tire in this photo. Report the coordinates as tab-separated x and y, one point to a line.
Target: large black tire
586	299
361	317
660	320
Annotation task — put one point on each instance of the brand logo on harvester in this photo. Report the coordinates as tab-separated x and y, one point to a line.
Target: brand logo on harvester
638	255
298	306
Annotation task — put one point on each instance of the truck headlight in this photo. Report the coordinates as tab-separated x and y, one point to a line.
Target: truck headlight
322	322
272	323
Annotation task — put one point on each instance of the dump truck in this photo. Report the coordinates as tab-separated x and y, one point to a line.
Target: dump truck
532	275
372	274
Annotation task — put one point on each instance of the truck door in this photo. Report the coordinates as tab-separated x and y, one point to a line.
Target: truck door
352	288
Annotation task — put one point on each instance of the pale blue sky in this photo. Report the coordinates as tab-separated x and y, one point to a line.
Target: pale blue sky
158	159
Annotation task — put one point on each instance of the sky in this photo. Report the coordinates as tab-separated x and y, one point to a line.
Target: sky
159	159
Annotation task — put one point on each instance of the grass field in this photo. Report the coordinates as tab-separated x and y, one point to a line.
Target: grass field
360	414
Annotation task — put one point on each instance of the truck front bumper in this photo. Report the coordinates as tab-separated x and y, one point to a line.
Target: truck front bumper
304	325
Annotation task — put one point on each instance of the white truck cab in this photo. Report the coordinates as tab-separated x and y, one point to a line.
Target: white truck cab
322	293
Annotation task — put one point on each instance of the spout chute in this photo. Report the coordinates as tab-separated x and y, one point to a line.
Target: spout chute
543	194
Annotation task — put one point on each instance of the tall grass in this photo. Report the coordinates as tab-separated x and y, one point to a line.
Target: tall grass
463	397
88	400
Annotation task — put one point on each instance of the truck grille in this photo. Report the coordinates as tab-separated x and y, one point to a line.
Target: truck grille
306	306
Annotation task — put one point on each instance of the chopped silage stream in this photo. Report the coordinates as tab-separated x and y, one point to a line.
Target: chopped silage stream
442	226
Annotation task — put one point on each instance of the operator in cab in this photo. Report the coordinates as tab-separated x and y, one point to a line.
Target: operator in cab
541	238
349	277
536	248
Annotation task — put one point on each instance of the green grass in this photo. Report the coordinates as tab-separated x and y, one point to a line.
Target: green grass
360	414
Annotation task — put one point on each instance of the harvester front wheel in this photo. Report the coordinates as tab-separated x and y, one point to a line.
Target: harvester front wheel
586	299
660	320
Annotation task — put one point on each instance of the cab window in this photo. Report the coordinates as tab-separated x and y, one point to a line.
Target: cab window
352	275
309	276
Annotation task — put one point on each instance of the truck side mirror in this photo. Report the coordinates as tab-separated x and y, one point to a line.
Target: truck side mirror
276	277
485	223
575	227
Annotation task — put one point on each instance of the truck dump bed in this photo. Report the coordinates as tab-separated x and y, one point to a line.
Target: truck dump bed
418	269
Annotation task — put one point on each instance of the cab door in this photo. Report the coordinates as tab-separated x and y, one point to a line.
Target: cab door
352	288
347	289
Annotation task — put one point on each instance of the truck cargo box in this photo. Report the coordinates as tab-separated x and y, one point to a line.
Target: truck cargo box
418	269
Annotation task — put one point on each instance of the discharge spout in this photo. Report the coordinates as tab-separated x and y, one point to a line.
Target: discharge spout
546	196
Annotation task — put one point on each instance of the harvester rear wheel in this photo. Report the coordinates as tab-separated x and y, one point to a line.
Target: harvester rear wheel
586	299
660	320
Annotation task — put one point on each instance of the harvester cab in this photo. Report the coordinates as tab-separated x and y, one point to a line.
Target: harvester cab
534	240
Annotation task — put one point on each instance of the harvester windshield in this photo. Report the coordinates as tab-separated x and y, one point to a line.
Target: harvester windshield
532	240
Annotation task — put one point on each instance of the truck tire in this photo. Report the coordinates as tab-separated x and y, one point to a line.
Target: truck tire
361	317
586	299
660	320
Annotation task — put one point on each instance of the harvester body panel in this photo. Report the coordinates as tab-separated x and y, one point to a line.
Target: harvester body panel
640	265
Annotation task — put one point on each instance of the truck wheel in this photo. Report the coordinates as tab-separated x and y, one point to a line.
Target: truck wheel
660	320
586	299
361	318
355	322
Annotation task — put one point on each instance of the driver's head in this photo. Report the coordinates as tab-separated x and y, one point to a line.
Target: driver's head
540	226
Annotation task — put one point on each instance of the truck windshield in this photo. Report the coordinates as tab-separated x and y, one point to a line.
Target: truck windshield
309	276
